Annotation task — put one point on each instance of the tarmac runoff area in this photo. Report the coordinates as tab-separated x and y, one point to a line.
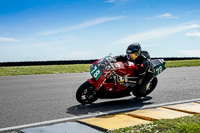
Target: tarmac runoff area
104	122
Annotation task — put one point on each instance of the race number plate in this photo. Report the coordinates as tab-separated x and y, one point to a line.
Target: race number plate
95	72
158	69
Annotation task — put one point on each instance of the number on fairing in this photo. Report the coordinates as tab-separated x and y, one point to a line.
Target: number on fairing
159	70
93	69
96	72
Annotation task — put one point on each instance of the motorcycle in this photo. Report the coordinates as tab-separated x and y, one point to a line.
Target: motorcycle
107	80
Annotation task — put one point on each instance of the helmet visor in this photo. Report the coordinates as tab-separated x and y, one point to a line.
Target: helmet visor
132	56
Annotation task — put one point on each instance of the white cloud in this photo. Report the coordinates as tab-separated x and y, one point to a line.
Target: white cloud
115	1
83	25
109	1
137	37
193	11
149	45
192	53
195	33
5	39
164	15
80	55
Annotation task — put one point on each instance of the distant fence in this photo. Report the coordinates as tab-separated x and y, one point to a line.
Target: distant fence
67	62
36	63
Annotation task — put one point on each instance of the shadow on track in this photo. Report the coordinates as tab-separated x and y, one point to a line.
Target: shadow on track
109	106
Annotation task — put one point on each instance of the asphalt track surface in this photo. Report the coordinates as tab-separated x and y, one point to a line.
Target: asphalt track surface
38	98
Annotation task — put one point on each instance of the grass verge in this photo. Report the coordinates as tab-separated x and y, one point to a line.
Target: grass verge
182	63
179	125
48	69
77	68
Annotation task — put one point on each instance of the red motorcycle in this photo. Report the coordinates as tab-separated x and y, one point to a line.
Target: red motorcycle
107	80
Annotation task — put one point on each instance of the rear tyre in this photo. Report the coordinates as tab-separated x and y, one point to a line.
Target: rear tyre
86	93
151	86
145	88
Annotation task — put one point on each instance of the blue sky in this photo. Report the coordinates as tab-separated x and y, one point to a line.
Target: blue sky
40	30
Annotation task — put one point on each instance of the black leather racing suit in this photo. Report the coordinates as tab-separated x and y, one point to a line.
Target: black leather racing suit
144	72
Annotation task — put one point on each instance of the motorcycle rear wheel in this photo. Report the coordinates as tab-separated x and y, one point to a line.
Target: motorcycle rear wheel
151	86
86	93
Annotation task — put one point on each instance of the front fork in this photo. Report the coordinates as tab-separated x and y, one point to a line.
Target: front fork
96	84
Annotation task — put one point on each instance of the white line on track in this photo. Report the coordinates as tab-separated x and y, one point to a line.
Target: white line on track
91	115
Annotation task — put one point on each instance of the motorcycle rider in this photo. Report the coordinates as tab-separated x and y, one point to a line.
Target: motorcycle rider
144	72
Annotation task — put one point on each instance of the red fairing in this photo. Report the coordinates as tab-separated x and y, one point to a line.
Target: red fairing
121	68
95	83
126	68
100	80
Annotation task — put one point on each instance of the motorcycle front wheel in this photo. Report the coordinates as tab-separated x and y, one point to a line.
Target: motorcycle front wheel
86	93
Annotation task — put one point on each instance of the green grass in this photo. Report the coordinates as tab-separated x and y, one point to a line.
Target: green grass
182	63
48	69
77	68
179	125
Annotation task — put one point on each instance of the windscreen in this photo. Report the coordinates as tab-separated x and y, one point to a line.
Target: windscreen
106	63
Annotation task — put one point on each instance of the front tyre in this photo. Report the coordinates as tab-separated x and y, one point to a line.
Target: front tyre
86	93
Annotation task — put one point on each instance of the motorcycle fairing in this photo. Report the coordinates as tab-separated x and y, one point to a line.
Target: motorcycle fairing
158	65
121	68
